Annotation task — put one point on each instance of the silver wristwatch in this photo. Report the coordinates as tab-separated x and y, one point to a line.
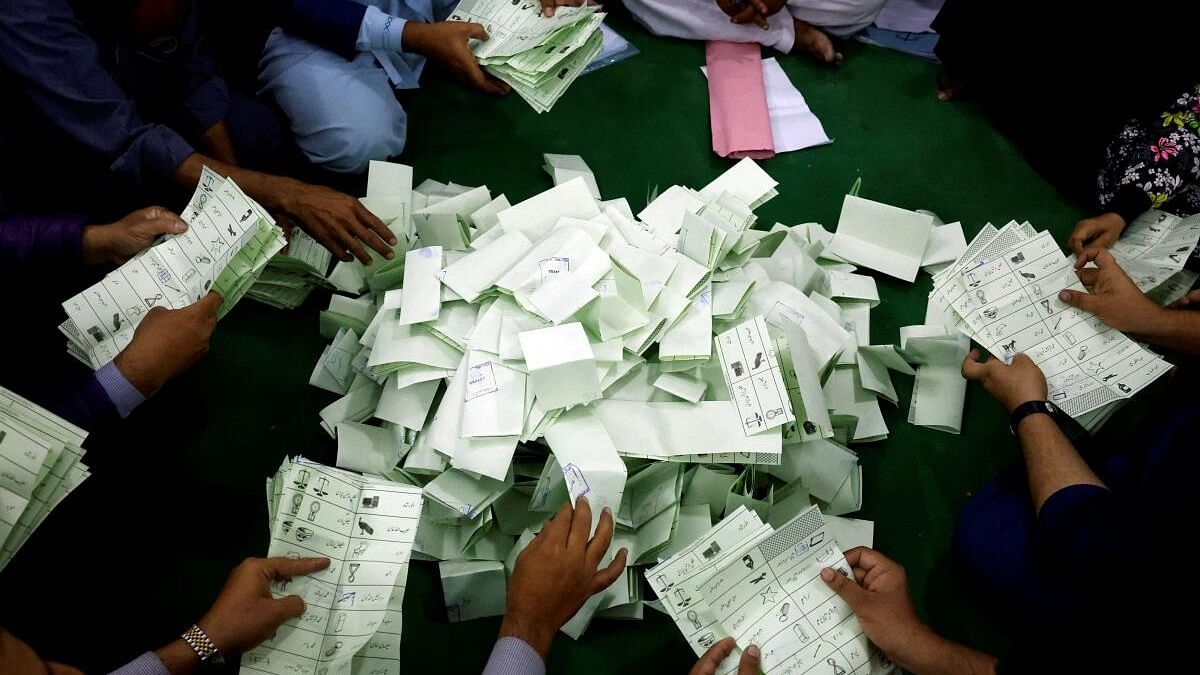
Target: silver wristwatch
200	643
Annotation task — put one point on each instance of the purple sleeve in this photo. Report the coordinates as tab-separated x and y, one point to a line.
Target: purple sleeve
36	240
124	396
512	656
146	664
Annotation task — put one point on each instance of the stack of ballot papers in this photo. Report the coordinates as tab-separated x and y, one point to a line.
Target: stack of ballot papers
538	56
1153	250
366	526
229	241
678	363
1003	294
761	585
40	465
293	273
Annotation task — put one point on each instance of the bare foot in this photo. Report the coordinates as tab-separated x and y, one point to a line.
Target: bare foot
814	42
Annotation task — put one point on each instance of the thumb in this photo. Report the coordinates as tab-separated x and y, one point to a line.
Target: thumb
209	304
847	589
475	31
161	221
749	663
1083	301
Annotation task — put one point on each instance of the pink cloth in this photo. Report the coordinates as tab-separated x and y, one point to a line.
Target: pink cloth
737	101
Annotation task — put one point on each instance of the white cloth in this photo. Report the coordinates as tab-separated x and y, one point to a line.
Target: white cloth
704	20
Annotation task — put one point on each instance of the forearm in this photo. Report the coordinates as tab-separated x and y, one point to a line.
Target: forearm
219	144
1175	329
1050	459
935	655
270	191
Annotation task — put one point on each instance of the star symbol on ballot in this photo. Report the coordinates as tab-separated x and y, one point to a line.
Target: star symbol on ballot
768	595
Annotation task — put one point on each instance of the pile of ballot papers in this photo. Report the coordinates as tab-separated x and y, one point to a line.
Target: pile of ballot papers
229	241
679	364
292	274
538	56
40	465
365	526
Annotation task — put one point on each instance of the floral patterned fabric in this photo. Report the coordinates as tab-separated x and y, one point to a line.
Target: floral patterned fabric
1155	162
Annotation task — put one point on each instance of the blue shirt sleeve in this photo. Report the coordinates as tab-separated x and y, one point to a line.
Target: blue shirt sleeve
146	664
205	96
124	396
44	47
1081	529
512	656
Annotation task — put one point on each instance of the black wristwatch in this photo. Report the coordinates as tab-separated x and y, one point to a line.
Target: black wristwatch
1033	408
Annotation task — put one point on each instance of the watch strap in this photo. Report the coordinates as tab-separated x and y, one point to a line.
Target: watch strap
1033	408
200	643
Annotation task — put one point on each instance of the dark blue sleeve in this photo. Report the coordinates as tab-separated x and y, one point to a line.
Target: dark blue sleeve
205	95
82	401
37	240
45	49
332	24
1081	528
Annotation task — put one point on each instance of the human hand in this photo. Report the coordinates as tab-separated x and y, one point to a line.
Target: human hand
557	573
338	221
751	11
549	5
1102	231
1113	297
881	601
114	243
1011	384
245	613
167	342
1189	301
708	664
446	43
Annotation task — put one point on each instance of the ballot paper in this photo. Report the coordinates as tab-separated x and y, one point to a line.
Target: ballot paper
40	465
229	241
1003	293
290	277
752	371
882	237
366	527
538	56
1153	250
763	587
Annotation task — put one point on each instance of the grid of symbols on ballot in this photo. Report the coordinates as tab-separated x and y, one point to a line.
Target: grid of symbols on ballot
366	527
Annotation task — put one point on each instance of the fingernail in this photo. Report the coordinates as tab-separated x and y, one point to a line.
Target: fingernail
827	574
607	511
389	255
392	241
1064	295
180	226
752	650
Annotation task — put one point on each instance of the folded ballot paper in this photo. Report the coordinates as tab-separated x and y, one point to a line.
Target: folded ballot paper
366	526
40	465
538	56
672	362
230	240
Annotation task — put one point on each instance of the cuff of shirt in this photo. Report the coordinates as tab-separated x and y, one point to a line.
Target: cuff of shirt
205	106
146	664
512	656
124	396
153	155
1129	202
380	32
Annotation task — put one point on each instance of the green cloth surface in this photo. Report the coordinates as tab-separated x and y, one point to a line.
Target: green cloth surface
176	500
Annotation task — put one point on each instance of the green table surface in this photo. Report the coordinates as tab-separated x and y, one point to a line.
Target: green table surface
176	500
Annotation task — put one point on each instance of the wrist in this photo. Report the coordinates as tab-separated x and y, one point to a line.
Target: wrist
413	36
178	657
135	376
531	632
919	646
95	245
